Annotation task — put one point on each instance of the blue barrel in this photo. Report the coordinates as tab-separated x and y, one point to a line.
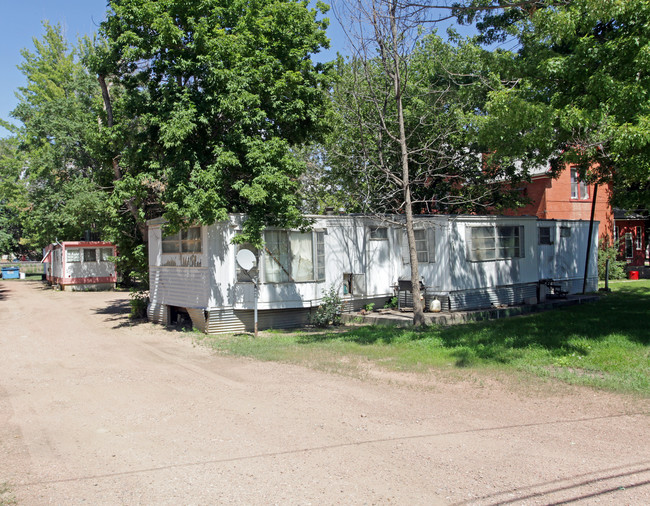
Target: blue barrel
10	273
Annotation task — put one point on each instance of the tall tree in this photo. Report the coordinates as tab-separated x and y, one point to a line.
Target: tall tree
583	90
401	141
58	186
205	102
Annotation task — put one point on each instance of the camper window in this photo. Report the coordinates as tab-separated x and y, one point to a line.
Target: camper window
73	256
191	240
104	254
90	255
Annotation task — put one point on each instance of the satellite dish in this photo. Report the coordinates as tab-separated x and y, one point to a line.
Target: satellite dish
246	259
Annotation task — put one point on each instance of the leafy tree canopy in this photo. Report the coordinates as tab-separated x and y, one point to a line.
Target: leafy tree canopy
51	179
210	99
579	88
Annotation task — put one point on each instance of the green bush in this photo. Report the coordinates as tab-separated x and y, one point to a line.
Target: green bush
616	267
391	304
139	302
329	312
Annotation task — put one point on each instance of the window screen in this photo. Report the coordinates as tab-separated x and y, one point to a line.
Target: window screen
90	255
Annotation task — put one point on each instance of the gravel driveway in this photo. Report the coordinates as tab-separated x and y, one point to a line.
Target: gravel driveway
96	411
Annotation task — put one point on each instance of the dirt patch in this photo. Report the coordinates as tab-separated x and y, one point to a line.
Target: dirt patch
94	409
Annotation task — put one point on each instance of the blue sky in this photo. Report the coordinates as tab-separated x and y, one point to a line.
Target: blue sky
21	22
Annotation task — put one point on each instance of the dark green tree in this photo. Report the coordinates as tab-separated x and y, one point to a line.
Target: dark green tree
205	103
55	180
581	91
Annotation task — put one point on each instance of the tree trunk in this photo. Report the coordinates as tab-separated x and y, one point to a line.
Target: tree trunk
418	309
117	170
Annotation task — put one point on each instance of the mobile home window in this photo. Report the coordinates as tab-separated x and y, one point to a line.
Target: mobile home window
639	243
73	256
191	240
289	256
185	241
509	241
565	232
421	245
579	189
483	243
545	235
90	255
320	256
379	233
496	243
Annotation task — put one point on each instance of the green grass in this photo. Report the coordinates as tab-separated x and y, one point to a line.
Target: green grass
604	344
6	496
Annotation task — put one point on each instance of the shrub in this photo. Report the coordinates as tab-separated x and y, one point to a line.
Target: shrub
329	312
616	267
391	304
139	302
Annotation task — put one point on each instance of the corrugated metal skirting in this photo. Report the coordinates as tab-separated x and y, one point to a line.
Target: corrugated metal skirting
228	321
468	300
157	313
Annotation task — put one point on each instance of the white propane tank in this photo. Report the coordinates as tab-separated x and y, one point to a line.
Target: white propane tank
434	306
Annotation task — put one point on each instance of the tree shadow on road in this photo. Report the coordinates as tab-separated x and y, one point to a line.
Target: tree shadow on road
119	311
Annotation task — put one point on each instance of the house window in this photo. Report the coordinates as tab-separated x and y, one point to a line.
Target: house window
495	243
616	234
90	255
545	235
629	252
289	256
185	241
639	243
73	256
379	233
105	254
579	189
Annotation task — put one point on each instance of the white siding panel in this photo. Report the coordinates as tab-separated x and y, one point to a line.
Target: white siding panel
179	286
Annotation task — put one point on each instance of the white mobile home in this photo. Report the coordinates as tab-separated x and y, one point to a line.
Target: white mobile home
466	262
80	265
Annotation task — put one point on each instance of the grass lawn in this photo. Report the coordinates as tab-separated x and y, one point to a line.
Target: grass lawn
604	344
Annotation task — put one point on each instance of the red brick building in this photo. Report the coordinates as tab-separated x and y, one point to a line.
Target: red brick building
566	197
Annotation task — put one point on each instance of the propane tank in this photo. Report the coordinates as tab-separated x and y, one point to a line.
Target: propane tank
434	306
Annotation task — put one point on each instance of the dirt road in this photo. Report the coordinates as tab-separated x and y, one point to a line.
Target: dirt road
95	411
